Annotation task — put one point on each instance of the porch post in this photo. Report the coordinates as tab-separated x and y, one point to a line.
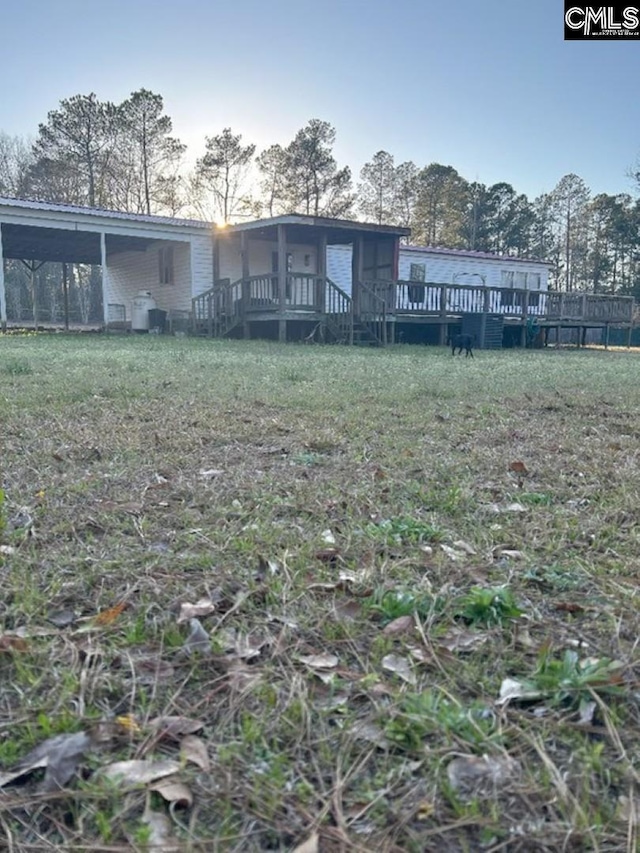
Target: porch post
3	297
321	273
105	278
246	285
357	260
282	282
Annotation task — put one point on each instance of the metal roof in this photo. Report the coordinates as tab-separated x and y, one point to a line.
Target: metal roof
470	253
76	210
337	230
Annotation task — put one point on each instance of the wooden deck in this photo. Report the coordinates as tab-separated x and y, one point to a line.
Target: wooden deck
377	307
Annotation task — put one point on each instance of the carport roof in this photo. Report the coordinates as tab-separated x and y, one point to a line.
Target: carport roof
77	210
30	231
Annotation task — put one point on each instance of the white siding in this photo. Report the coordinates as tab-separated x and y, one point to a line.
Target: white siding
201	264
260	257
339	266
466	269
443	268
131	272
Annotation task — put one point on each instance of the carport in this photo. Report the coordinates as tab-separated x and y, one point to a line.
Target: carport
134	252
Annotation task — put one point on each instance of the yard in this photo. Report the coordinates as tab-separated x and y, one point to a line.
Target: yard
317	598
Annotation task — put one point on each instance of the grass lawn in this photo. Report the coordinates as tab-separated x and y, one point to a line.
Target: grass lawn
317	599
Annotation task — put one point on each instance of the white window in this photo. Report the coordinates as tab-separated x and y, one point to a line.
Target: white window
165	264
521	280
533	281
506	277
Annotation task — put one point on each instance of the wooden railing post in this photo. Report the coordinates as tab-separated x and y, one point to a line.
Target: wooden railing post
525	312
443	314
483	318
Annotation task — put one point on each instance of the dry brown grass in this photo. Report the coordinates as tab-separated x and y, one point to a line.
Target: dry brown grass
154	472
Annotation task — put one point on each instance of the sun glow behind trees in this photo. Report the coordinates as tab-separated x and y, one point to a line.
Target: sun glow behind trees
125	157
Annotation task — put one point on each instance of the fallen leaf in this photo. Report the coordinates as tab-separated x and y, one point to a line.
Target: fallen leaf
510	554
210	473
462	640
59	754
107	617
173	791
320	661
512	689
519	467
451	553
12	644
128	723
587	710
327	537
202	607
139	771
194	749
197	641
159	839
372	733
399	666
175	727
461	545
61	618
629	810
327	555
311	845
401	625
569	607
470	772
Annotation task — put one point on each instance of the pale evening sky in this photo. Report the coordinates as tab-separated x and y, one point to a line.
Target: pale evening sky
489	87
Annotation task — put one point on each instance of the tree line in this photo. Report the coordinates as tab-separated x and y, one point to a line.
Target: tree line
125	157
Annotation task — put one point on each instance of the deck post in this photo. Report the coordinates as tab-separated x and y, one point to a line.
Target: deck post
444	337
3	296
283	272
525	317
606	336
321	273
483	319
246	286
629	336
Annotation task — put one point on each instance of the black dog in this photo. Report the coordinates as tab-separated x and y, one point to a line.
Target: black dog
462	342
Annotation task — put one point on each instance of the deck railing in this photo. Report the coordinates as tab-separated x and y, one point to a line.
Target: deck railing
590	307
375	302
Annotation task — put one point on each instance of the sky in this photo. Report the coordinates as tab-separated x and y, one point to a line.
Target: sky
487	86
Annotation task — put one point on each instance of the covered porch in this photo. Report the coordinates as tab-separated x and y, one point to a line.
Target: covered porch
275	271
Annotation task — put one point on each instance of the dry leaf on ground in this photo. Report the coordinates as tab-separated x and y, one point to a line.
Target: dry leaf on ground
60	755
173	791
401	625
399	666
160	839
471	772
311	845
202	607
320	661
175	727
194	749
198	640
139	771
